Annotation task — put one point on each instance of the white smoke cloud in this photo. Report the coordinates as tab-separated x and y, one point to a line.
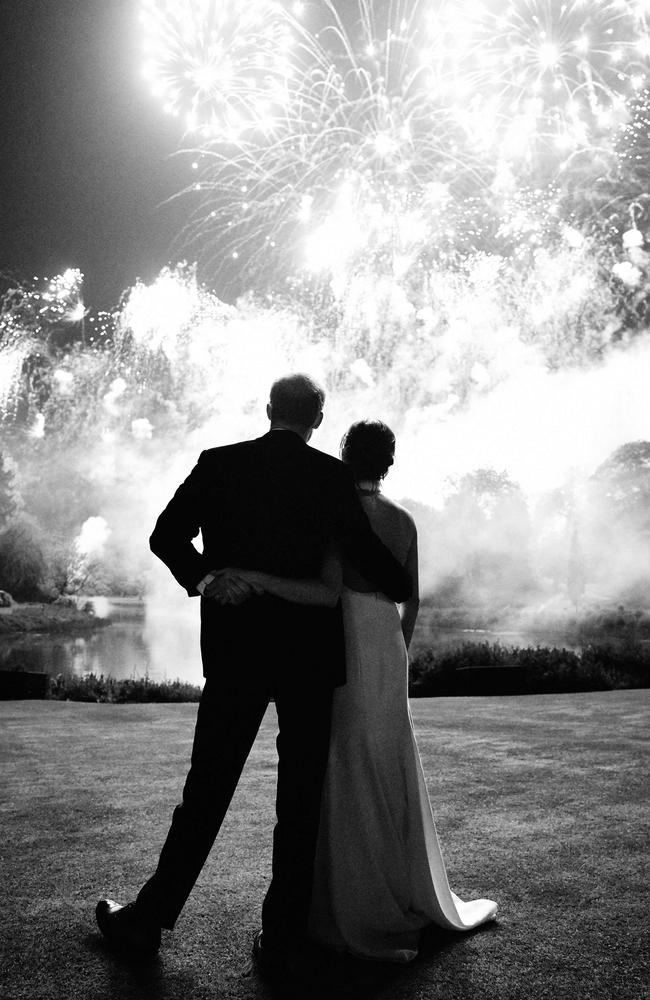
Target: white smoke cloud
462	389
93	537
543	427
37	430
141	429
117	389
64	381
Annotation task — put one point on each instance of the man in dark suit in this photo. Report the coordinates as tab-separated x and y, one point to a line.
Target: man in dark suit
277	505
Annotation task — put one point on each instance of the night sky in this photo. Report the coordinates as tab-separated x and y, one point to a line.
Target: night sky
86	155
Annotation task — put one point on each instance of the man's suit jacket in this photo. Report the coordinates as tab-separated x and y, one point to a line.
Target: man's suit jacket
273	504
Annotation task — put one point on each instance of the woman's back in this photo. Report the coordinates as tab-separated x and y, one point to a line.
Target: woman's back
379	875
396	528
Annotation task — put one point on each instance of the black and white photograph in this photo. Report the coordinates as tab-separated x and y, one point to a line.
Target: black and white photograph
324	499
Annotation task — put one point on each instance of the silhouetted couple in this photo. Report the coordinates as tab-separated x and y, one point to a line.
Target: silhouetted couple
309	595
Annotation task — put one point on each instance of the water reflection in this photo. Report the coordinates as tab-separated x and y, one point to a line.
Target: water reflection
161	641
136	643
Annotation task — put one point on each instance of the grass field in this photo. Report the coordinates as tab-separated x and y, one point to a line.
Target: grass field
540	802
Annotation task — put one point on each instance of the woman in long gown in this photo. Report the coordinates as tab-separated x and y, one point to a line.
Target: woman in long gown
379	876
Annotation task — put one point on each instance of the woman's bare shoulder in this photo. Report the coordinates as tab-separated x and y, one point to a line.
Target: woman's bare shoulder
399	513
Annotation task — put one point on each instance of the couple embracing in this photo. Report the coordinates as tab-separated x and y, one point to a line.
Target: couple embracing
308	581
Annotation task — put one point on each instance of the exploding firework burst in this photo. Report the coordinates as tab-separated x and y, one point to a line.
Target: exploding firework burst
361	139
221	67
557	72
390	115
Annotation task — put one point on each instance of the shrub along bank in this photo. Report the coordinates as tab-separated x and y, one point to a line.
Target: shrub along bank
61	616
485	668
92	687
489	668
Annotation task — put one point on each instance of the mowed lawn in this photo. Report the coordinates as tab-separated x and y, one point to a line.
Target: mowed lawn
540	802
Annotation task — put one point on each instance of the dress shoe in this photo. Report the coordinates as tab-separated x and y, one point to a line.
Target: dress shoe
284	964
127	928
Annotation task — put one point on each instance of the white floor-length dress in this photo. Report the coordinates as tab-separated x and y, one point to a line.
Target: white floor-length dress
380	876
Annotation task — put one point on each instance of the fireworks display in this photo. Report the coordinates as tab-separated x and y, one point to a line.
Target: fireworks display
535	71
221	67
439	207
312	123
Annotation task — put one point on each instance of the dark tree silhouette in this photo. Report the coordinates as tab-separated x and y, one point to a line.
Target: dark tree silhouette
622	482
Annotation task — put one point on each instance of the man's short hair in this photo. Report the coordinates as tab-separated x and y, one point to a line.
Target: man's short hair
296	400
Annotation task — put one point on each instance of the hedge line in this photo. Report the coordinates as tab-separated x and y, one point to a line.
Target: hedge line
484	668
489	668
92	687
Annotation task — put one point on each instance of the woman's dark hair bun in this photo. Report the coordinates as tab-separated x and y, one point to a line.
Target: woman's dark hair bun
368	447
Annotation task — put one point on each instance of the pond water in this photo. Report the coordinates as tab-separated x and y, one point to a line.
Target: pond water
142	641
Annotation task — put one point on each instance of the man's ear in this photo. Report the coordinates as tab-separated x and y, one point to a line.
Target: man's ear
319	420
268	411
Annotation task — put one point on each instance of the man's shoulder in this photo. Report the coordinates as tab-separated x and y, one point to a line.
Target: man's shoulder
327	466
324	460
318	463
225	451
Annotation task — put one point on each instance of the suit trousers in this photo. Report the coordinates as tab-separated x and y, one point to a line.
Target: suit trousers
229	716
